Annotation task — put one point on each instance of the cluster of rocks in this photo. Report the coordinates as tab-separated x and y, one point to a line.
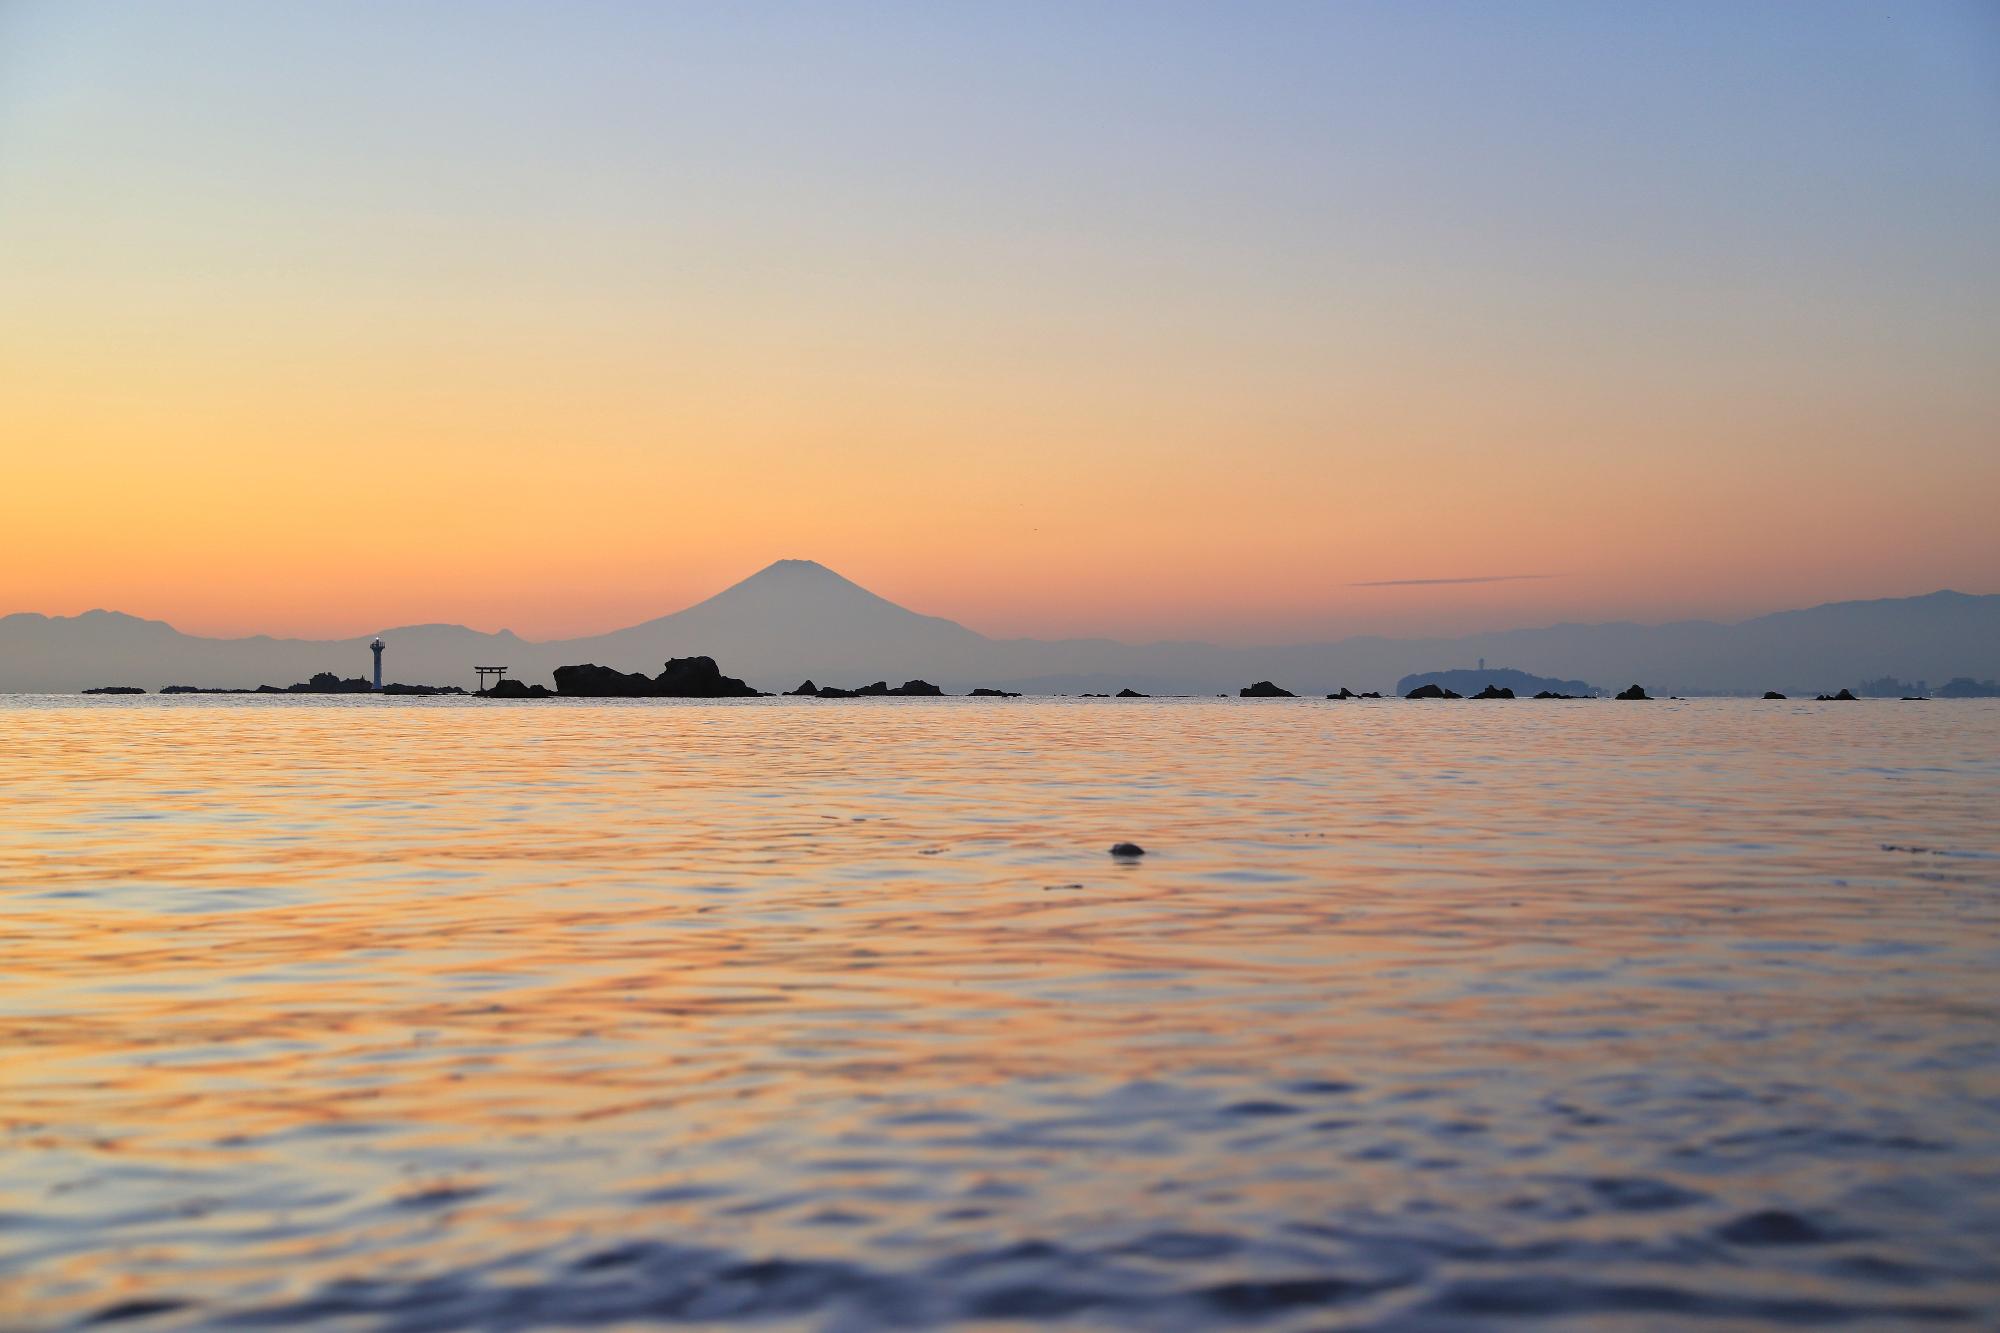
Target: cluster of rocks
1436	691
680	678
1264	689
983	693
908	688
1346	693
1845	696
117	689
323	682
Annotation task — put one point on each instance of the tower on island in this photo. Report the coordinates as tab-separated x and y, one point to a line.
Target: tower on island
376	648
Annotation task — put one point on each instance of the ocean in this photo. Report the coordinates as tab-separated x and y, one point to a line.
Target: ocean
430	1014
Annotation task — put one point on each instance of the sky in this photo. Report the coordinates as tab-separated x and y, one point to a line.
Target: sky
1240	322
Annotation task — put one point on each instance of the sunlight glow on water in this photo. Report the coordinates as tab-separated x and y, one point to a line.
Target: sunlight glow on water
437	1013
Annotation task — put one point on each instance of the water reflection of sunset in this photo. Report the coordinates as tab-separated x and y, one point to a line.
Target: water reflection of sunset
434	988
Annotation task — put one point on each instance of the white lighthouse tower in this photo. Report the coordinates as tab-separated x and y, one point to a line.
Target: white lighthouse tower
376	648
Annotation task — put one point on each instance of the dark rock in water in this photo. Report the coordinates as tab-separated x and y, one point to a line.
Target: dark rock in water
514	689
983	693
1264	689
1129	693
325	682
1345	693
699	678
1772	1226
1495	692
1772	694
1845	696
1369	694
882	689
1551	694
1636	692
397	688
116	689
807	688
199	689
1127	849
1915	698
591	681
1433	692
681	678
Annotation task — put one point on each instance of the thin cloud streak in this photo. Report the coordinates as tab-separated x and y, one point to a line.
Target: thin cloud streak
1425	583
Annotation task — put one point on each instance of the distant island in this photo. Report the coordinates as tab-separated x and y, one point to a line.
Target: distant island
1471	681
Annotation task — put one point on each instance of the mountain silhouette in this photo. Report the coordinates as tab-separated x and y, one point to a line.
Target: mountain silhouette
797	619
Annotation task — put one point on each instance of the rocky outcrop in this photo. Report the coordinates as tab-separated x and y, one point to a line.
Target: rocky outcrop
1495	692
1636	692
808	689
680	678
1844	697
1432	692
983	693
1772	694
117	689
1264	689
880	689
514	689
395	687
699	678
1129	693
1551	694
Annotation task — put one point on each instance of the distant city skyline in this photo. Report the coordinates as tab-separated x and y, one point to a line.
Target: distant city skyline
1147	322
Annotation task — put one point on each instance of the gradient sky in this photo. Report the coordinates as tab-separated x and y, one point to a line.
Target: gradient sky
1225	321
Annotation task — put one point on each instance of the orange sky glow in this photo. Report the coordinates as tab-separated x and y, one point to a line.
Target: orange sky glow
336	367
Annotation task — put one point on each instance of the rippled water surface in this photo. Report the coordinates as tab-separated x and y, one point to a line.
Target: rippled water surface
423	1014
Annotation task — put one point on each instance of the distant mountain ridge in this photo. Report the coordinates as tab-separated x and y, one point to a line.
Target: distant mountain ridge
796	619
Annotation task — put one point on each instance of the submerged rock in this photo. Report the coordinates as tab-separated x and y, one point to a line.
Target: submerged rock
1495	692
1264	689
1433	692
1636	692
1127	849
